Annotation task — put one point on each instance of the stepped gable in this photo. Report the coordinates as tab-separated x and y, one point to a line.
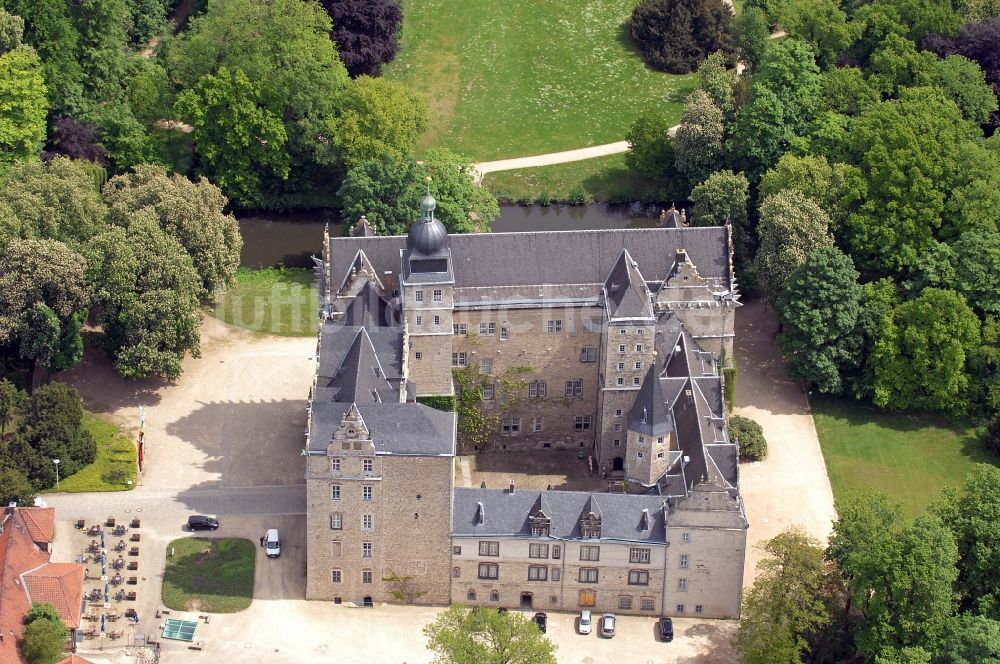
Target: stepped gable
625	293
549	257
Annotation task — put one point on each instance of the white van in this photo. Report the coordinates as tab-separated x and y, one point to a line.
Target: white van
272	545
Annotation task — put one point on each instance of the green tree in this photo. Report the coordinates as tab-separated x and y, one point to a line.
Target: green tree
101	25
789	70
973	516
749	437
241	141
698	140
819	313
41	610
717	80
11	31
752	34
909	145
22	105
821	23
11	402
15	487
977	254
784	603
813	177
387	191
51	428
486	636
375	117
920	360
651	151
148	289
675	35
846	90
923	17
723	198
52	32
899	574
44	641
58	200
191	212
791	227
878	301
964	82
972	640
127	140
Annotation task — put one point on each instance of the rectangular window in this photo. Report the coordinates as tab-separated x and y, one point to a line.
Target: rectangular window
625	602
638	455
504	333
458	359
418	296
367	522
588	575
556	551
489	390
591	553
489	571
335	492
437	320
419	321
335	465
698	608
335	576
553	326
618	426
648	604
638	577
456	572
680	608
620	381
574	388
682	585
510	425
366	577
366	493
436	295
638	348
491	328
582	422
686	538
555	575
536	388
621	348
623	331
618	442
336	521
638	366
538	550
538	573
538	424
618	412
588	354
418	355
637	555
456	550
635	381
368	465
482	329
489	548
684	561
454	329
621	366
366	549
486	365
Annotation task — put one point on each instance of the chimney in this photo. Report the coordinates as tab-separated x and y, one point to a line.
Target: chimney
511	487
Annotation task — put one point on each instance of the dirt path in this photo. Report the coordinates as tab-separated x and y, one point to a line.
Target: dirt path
791	487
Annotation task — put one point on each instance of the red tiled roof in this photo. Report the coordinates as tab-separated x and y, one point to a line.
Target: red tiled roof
74	659
18	554
40	522
58	584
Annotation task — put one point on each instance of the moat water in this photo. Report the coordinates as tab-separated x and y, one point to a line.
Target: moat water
290	238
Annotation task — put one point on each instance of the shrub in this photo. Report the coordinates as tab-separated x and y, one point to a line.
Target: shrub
676	35
749	437
577	196
544	198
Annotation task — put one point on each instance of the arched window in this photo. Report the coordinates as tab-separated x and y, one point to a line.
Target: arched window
495	596
471	595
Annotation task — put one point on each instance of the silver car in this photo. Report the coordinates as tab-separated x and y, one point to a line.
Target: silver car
584	624
608	625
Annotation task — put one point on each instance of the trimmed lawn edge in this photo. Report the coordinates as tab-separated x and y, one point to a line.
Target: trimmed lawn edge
209	574
114	448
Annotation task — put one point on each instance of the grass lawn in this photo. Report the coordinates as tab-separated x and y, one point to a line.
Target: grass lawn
114	451
212	575
522	77
909	457
605	179
280	301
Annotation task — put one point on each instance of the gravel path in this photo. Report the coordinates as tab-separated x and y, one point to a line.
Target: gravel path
790	487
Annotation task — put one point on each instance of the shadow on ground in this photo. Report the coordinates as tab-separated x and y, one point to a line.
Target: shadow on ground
559	468
100	386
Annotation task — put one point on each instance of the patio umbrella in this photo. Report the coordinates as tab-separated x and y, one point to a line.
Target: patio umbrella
102	538
106	589
103	619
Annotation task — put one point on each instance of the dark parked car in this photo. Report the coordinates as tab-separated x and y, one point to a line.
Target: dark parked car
202	522
666	630
540	619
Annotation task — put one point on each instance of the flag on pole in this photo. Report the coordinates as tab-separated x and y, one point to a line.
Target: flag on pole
142	417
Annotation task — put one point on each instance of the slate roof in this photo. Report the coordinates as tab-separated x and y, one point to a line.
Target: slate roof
336	340
550	257
367	309
360	377
649	415
395	428
506	514
625	291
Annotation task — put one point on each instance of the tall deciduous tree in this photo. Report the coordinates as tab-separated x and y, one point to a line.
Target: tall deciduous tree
752	32
698	141
44	641
241	141
22	105
821	23
366	32
977	255
819	312
972	640
11	31
675	35
191	212
920	360
715	78
813	177
76	140
148	289
722	198
784	603
791	227
486	636
376	117
651	150
973	516
979	42
899	574
52	32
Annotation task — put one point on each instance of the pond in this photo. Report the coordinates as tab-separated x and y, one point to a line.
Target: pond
290	238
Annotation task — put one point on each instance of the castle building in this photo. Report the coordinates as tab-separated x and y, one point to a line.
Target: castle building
618	339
